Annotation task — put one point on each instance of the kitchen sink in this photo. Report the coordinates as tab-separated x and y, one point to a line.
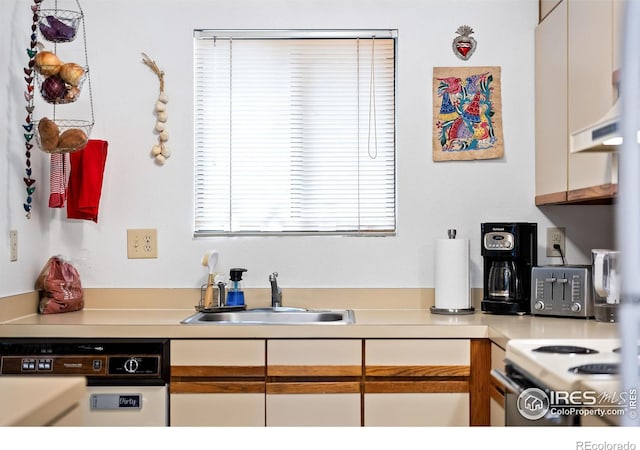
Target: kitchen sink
273	316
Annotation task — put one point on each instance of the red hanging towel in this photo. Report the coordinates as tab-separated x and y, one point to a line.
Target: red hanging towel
58	179
85	181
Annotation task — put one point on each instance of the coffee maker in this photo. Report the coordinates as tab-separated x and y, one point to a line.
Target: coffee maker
509	251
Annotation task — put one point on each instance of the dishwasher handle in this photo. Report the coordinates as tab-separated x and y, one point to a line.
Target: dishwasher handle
508	383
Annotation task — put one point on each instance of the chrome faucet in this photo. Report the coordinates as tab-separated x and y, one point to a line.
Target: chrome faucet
276	292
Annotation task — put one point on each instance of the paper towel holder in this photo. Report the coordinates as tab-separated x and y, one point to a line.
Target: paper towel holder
451	233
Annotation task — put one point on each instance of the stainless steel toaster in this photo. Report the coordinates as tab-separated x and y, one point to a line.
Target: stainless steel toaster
562	291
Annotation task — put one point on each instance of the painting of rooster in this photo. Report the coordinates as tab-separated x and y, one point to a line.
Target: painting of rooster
467	119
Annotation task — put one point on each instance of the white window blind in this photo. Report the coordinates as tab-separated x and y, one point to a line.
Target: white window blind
295	134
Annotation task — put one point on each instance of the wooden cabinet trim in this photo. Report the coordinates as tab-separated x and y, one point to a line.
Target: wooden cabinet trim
314	371
325	387
602	194
217	387
415	387
217	371
479	383
417	371
554	198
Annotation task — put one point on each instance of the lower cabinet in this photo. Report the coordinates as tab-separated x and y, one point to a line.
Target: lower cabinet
217	383
416	409
417	382
314	382
330	382
319	409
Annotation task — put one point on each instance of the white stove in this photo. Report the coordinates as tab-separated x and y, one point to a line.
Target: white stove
565	382
566	364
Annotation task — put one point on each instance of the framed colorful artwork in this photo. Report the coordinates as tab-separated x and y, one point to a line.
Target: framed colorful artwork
467	113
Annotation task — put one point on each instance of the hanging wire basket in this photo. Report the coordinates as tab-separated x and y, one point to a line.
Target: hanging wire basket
63	85
72	136
55	135
58	25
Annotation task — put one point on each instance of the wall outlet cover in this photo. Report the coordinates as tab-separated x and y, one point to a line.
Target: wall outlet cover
556	236
142	243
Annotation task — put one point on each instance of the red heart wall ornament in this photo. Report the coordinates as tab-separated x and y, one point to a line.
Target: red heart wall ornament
464	45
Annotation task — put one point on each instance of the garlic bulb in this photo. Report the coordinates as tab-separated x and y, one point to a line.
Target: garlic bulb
159	152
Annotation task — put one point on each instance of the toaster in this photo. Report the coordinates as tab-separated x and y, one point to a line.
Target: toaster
562	291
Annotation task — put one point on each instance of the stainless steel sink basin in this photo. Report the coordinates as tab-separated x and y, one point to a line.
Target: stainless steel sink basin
273	316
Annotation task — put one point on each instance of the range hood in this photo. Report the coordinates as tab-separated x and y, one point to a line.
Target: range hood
605	135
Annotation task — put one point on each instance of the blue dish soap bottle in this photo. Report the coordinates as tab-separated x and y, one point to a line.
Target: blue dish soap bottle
235	296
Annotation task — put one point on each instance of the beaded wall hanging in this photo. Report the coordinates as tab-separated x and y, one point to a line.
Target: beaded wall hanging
28	133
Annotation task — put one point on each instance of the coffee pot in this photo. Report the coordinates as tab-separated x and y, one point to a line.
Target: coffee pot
504	281
509	251
606	284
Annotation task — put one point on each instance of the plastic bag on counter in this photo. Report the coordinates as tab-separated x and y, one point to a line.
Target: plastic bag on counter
60	287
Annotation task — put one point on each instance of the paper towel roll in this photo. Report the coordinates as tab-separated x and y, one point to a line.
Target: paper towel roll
452	274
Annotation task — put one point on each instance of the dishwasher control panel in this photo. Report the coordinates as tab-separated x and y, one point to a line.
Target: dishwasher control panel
104	359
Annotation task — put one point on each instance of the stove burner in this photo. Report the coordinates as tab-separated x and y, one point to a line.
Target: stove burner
596	369
619	349
565	349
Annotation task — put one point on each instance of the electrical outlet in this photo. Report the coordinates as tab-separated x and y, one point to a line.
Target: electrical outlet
556	236
142	243
13	245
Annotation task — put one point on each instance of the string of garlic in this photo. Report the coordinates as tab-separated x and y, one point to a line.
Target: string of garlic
160	151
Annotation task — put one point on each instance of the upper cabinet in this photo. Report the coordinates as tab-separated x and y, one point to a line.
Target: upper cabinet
545	7
552	138
576	59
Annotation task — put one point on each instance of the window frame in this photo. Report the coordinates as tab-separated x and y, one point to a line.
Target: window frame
239	34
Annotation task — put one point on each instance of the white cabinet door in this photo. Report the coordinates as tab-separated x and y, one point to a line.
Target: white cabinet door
591	89
313	382
217	410
417	382
313	410
551	127
416	409
217	383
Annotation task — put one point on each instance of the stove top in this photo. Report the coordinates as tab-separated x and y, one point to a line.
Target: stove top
565	349
596	369
566	364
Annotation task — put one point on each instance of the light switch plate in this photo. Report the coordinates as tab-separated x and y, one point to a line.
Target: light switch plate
13	245
142	243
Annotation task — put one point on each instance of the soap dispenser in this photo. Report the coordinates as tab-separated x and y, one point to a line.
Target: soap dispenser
235	296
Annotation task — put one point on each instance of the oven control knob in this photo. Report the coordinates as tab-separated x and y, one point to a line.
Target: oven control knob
538	305
576	307
131	365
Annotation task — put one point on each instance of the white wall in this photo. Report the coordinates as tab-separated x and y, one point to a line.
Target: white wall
432	197
33	234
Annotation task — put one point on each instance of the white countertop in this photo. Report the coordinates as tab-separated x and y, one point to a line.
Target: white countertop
38	401
369	323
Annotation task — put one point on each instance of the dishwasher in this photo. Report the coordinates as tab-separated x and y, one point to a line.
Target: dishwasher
127	379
